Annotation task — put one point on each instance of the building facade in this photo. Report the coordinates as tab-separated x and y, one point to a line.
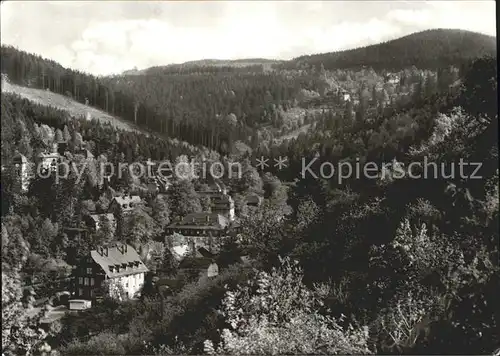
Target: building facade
22	171
115	270
124	204
205	230
48	161
222	204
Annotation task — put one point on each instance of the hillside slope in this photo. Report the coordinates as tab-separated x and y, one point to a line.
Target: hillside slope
427	49
220	63
74	108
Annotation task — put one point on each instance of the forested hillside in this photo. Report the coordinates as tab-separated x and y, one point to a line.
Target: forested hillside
387	263
194	108
215	105
429	49
215	65
65	103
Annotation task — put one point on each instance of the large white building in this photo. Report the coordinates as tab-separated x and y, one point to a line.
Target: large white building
115	269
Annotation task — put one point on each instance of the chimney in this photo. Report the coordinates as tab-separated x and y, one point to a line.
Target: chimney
122	248
106	251
208	218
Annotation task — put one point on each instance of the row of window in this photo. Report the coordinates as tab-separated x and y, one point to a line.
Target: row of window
196	232
135	280
86	281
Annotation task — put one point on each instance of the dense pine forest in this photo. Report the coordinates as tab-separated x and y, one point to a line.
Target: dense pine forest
384	265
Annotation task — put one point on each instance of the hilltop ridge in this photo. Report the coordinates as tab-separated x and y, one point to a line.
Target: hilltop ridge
426	49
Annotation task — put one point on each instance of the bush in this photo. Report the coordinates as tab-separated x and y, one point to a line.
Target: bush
277	314
105	343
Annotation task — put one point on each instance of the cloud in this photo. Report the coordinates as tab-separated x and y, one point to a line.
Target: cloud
413	17
477	16
349	35
109	37
235	38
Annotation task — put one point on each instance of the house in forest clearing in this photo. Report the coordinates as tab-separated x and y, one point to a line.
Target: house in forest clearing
111	270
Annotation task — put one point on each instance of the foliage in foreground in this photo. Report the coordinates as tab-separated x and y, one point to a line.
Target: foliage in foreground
275	313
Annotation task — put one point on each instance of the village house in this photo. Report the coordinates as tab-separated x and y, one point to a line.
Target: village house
217	188
220	201
199	267
392	78
22	171
200	230
76	233
48	161
124	204
222	204
109	270
94	221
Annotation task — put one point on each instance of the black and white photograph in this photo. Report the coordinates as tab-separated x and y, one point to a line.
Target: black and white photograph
249	178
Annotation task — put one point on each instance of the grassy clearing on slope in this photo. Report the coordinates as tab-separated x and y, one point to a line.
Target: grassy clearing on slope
74	108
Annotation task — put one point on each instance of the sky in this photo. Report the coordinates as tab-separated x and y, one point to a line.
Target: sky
107	37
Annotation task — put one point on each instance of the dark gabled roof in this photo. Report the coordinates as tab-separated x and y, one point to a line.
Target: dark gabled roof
118	255
202	221
97	217
205	253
